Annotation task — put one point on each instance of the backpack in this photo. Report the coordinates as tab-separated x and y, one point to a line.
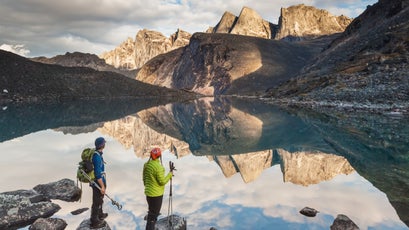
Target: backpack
85	165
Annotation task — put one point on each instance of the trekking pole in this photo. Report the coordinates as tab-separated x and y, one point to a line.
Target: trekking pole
170	207
115	203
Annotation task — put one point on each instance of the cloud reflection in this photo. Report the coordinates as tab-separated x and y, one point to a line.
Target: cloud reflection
201	193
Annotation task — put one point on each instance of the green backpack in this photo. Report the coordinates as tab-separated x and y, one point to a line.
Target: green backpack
86	166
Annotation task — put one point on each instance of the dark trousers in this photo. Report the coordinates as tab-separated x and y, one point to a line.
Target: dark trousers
96	208
154	203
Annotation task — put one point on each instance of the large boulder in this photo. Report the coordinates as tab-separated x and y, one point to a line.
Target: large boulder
64	189
342	222
171	222
22	207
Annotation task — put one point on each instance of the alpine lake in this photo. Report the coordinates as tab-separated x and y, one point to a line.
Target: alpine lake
241	164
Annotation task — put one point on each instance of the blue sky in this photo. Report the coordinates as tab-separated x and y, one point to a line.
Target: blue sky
48	28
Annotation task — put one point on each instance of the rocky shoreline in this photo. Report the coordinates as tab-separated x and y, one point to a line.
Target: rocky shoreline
34	207
344	106
21	208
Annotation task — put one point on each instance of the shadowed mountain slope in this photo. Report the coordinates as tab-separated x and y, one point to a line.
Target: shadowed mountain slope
25	80
367	64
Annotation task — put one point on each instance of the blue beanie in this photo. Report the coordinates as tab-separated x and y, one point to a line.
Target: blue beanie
99	142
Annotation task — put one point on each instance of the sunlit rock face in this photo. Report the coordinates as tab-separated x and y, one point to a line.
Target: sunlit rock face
306	21
306	168
240	55
248	23
217	64
149	44
295	22
225	24
249	165
122	56
132	54
132	132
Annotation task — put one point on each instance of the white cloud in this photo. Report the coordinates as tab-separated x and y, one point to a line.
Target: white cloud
17	49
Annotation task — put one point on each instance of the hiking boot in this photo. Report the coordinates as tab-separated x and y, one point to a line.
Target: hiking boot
99	224
102	216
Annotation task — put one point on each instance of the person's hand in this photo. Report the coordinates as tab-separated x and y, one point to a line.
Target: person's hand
171	167
103	191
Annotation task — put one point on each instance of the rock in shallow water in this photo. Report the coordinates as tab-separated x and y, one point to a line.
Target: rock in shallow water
172	222
64	189
48	224
342	222
310	212
79	211
86	225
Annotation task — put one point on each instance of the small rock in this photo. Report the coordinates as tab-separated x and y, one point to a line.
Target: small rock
342	222
79	211
310	212
175	223
48	224
86	225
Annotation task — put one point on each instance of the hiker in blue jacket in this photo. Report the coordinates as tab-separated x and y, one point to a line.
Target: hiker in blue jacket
97	216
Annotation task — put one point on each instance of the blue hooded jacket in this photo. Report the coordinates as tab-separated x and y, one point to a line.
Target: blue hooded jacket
99	168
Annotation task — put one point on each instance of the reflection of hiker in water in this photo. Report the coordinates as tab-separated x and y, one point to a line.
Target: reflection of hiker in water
154	180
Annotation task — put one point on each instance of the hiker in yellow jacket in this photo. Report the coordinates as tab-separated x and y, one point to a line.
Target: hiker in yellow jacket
154	180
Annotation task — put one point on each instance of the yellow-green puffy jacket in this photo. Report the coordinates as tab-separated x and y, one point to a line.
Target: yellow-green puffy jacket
154	178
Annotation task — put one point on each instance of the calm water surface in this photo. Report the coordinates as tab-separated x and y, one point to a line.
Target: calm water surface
240	164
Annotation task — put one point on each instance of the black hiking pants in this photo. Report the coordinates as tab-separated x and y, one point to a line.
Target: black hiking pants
154	203
96	208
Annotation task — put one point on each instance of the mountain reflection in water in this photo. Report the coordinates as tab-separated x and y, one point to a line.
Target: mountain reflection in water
244	154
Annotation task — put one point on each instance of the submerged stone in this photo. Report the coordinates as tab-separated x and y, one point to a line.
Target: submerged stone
342	222
86	225
310	212
171	222
79	211
48	223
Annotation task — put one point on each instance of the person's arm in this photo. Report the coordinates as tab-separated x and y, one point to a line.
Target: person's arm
160	172
101	185
97	161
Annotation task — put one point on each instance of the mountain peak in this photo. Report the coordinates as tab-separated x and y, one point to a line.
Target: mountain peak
301	21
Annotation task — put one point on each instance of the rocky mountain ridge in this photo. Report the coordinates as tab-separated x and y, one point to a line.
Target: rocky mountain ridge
241	56
227	64
132	54
298	22
303	22
365	67
77	59
248	23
